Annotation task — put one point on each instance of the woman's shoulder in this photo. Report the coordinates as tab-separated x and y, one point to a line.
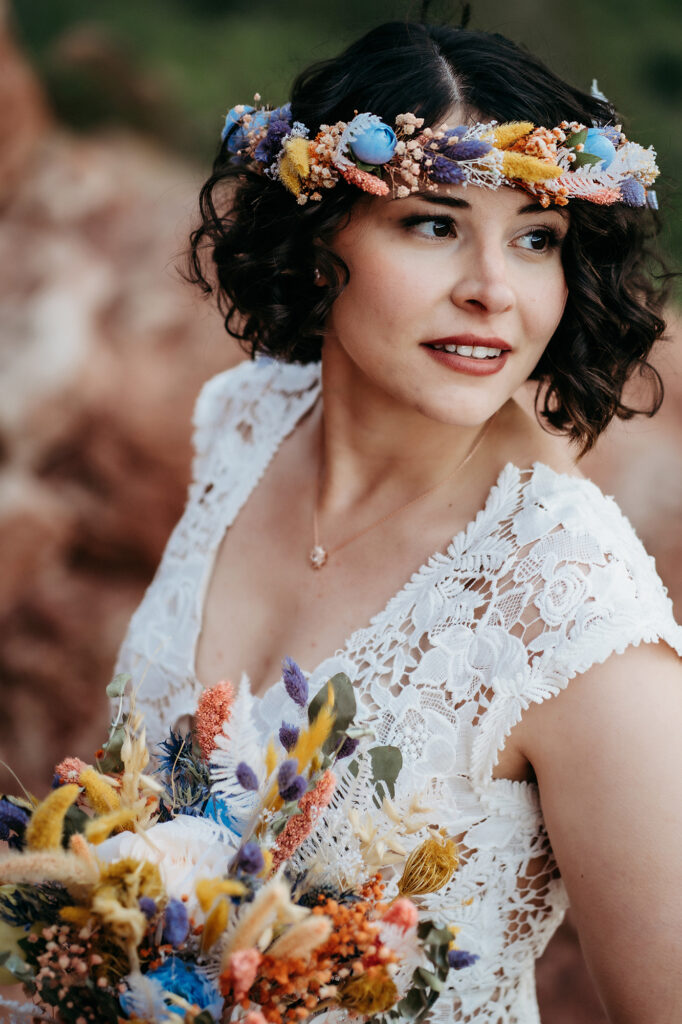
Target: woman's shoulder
247	401
594	585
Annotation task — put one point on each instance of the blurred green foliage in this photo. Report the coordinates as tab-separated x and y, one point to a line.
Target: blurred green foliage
171	68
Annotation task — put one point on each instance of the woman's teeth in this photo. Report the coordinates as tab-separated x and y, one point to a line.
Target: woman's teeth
476	351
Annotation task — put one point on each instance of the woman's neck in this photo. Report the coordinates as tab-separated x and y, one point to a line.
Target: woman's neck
373	447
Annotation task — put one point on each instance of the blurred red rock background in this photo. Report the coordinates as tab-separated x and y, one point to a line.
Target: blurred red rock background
104	348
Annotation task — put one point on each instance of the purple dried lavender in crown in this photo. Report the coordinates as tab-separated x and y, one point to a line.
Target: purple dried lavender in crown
246	777
288	736
633	192
269	146
446	171
295	682
473	149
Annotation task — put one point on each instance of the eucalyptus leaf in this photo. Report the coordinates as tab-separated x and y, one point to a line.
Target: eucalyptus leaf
75	821
117	686
585	160
17	967
111	761
430	979
370	168
386	764
345	709
576	139
412	1004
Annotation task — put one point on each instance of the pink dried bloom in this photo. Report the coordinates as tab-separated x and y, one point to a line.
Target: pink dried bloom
402	913
241	971
213	710
299	827
69	770
318	798
367	182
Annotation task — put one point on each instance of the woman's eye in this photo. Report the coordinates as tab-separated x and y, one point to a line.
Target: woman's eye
539	240
432	227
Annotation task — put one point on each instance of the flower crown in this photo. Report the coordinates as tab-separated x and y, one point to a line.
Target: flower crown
570	161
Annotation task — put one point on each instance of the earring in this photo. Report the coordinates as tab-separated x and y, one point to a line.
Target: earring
317	276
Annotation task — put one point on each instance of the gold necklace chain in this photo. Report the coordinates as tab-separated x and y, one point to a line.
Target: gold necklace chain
319	554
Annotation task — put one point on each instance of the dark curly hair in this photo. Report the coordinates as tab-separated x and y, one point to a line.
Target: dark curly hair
265	247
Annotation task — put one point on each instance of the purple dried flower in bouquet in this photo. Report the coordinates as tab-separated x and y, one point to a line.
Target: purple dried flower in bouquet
295	791
250	859
12	819
286	774
175	923
288	736
295	682
446	171
148	906
348	747
246	777
459	958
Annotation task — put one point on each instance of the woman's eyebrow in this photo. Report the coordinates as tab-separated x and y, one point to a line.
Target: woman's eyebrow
461	204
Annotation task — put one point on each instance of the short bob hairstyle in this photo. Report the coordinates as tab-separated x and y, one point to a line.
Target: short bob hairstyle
265	247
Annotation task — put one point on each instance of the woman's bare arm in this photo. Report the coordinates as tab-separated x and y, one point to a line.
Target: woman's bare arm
607	753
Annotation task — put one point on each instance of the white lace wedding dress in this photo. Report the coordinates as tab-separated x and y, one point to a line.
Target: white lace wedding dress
547	580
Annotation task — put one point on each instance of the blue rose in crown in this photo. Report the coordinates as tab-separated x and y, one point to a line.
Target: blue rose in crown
371	141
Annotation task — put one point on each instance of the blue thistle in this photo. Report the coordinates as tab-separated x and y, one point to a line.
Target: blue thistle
185	775
295	682
288	736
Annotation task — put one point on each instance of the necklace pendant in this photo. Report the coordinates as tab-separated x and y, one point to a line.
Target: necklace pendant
318	556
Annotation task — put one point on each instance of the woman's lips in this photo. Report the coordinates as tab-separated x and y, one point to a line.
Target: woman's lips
469	364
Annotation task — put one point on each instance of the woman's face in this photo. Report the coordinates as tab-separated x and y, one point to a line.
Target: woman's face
469	270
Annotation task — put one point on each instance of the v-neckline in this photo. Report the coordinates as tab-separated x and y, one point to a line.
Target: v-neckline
300	407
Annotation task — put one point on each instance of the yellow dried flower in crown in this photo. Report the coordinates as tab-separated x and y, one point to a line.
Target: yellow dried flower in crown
430	866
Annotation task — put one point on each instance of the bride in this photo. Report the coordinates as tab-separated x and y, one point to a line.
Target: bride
433	222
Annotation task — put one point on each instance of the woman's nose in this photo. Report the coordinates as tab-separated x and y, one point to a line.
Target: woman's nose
482	281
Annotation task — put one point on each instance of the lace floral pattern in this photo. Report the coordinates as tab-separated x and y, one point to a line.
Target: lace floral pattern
548	579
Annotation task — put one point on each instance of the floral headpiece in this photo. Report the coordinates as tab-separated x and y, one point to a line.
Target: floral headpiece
570	161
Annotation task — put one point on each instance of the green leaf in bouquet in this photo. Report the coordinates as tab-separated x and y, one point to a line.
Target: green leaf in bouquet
430	979
345	709
386	764
117	686
75	821
16	967
412	1005
110	761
